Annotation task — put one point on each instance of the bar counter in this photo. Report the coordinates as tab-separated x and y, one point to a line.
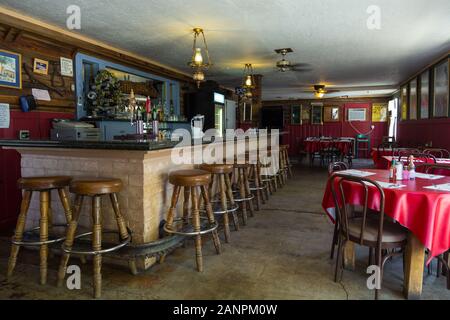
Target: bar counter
143	166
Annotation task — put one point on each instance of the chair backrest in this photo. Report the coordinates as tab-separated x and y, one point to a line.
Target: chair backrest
438	153
432	168
339	182
419	157
409	151
336	166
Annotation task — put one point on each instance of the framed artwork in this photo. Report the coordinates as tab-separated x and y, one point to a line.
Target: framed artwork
424	95
413	99
306	114
331	114
316	114
296	114
404	103
440	92
10	69
40	66
379	112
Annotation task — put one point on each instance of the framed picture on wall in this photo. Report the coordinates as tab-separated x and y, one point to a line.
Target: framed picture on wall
306	114
330	114
440	92
404	103
296	114
10	69
424	95
40	66
379	112
413	99
316	114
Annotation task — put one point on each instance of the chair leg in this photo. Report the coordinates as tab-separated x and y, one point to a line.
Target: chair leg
18	236
70	237
231	200
224	206
121	224
334	242
97	245
338	266
210	214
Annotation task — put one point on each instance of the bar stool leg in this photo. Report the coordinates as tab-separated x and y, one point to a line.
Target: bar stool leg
70	237
196	224
288	163
186	198
66	204
248	192
241	184
231	199
121	225
173	206
43	223
223	200
210	214
18	236
97	245
257	185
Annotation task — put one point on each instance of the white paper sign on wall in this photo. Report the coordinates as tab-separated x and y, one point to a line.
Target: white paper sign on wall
66	67
4	116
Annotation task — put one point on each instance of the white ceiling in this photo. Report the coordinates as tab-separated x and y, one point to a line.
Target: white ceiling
329	35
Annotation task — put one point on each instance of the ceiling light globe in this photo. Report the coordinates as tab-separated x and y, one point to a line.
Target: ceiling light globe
197	59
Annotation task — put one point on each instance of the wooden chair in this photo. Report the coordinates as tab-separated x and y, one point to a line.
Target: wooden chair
371	229
438	153
332	168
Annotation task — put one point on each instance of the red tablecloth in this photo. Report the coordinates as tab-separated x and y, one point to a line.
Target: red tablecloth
425	212
343	146
386	160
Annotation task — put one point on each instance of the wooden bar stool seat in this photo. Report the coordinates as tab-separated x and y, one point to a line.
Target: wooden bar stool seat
43	185
94	188
190	224
222	199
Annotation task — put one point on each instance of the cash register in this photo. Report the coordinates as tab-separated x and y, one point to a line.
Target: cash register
64	129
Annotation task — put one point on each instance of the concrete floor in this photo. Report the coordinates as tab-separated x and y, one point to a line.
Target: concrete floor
283	253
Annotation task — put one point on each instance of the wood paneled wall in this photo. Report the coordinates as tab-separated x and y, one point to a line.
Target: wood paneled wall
30	47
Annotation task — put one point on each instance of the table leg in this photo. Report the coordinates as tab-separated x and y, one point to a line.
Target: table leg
349	256
414	264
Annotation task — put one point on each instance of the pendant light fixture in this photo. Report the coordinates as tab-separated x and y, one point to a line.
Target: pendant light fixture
248	80
197	62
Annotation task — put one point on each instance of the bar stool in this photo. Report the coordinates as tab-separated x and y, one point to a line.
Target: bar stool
241	190
220	173
94	188
286	163
43	185
191	180
257	187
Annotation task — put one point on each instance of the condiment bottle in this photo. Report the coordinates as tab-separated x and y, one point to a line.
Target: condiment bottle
393	171
399	171
412	168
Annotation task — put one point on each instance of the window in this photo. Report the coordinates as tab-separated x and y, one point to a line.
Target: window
296	112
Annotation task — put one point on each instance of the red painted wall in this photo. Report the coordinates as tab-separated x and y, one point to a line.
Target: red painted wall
39	124
419	132
297	133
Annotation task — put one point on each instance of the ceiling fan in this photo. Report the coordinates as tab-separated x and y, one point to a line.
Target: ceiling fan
285	65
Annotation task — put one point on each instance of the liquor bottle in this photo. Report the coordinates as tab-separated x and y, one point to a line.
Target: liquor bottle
154	113
393	171
411	168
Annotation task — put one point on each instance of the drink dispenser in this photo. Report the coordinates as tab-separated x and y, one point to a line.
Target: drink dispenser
197	124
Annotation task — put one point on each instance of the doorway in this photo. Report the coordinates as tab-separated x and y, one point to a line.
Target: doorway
272	118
